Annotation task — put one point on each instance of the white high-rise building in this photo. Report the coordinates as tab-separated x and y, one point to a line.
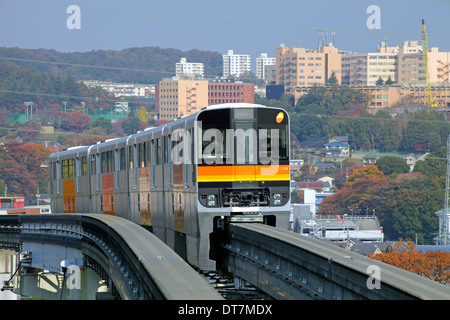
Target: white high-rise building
184	67
261	62
235	64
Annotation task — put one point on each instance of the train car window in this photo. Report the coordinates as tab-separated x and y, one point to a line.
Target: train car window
58	177
104	162
166	157
169	159
130	156
54	168
68	169
107	159
93	166
116	168
158	151
153	163
98	170
78	173
122	161
83	166
141	155
147	153
212	136
273	124
135	168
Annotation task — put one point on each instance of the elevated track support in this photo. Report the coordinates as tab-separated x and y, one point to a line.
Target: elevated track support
287	265
134	262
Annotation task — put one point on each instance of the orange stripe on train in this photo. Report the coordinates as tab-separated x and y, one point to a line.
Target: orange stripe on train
243	173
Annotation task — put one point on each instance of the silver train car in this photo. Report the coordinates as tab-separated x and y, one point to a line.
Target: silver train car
226	163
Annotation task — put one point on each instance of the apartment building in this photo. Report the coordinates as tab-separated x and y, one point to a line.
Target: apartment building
366	68
235	64
190	68
261	62
418	93
177	98
402	64
411	67
299	67
220	92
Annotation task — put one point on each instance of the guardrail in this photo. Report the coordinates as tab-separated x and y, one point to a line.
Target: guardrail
287	265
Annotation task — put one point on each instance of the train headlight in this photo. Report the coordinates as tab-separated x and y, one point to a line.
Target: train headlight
277	199
211	200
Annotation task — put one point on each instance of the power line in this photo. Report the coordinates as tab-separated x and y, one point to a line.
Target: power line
238	23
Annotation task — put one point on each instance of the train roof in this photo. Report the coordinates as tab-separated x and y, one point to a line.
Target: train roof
235	105
69	152
152	130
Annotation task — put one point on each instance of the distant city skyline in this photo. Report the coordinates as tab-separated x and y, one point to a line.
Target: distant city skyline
247	27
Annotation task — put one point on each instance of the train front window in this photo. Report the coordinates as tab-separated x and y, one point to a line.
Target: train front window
213	126
243	136
273	137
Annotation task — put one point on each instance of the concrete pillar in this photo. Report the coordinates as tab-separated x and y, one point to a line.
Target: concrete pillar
8	261
48	286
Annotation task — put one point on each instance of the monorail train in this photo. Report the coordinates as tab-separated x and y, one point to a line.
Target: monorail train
226	163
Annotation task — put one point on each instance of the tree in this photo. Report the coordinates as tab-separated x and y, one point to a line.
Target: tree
431	264
379	82
389	165
130	125
76	121
365	173
332	80
434	164
142	114
103	123
389	81
364	188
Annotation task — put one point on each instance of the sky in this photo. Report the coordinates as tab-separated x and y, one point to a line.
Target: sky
245	26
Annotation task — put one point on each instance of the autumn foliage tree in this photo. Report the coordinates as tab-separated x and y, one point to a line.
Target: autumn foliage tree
434	265
23	168
362	189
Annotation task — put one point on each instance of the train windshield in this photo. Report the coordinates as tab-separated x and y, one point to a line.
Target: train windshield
243	136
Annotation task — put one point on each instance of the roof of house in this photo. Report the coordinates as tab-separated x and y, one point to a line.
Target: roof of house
337	143
311	185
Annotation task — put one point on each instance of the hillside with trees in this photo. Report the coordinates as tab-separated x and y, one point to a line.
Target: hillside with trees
133	65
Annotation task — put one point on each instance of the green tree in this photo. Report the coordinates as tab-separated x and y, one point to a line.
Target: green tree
379	82
389	165
130	125
332	80
389	81
434	164
103	123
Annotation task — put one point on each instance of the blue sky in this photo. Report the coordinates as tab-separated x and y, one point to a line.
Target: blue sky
246	26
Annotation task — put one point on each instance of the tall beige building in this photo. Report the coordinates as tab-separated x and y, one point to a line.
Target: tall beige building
178	98
403	64
366	68
411	67
298	67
